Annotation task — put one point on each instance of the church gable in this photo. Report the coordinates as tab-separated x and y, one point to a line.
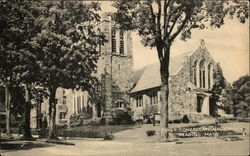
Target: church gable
190	83
202	66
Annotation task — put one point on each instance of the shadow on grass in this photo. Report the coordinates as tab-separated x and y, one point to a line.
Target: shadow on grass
21	145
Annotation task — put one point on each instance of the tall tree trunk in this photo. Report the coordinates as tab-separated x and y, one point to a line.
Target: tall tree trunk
164	70
27	132
7	105
52	113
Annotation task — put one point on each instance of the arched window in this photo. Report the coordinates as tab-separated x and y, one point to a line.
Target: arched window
202	74
113	40
194	73
209	76
121	43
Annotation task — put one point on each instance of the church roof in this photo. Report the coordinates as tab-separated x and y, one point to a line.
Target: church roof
150	77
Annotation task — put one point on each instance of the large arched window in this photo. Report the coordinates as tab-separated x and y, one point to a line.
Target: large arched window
194	73
202	74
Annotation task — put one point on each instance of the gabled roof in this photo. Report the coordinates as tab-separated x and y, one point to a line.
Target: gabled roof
151	75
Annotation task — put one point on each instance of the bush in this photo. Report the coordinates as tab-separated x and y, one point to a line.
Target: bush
108	136
185	119
78	119
79	132
149	112
150	132
122	116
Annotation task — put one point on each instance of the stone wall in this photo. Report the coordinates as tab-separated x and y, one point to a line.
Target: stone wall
178	100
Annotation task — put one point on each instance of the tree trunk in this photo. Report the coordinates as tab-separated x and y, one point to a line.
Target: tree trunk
164	70
52	113
27	132
7	105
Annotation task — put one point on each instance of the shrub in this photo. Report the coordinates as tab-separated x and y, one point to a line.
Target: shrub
150	132
122	116
79	132
78	119
108	136
149	112
185	119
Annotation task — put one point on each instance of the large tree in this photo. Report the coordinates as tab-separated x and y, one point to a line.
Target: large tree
66	48
159	22
240	96
17	63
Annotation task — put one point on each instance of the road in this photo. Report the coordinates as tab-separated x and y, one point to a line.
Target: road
114	148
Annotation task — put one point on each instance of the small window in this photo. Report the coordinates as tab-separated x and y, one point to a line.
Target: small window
62	115
64	102
139	102
153	99
119	104
78	101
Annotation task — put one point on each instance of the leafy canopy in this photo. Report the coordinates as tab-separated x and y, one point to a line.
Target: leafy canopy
66	46
17	63
161	21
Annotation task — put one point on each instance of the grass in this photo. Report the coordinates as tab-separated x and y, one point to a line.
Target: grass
93	131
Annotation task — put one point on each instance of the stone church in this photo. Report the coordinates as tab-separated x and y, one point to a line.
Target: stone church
114	70
190	82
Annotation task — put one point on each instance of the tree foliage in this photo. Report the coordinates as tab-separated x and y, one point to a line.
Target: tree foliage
167	19
17	63
241	97
45	45
219	82
66	47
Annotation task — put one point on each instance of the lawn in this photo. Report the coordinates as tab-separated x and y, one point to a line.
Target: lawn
94	131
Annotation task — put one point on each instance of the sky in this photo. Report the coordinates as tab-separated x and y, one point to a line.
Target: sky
228	45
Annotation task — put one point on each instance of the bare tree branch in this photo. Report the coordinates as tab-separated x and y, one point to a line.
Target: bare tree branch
188	15
165	26
159	18
174	22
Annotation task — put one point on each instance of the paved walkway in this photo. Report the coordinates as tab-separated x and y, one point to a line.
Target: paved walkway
135	142
114	148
